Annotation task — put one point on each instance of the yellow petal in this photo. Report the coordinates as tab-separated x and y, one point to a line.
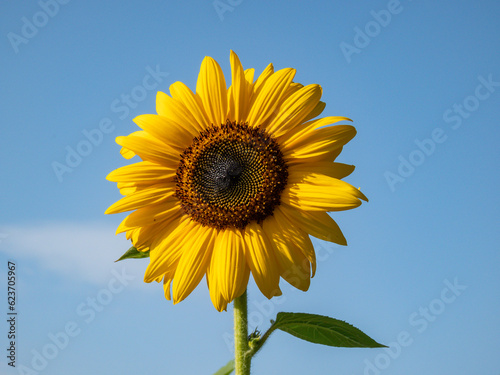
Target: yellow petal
294	266
211	87
176	111
319	142
192	102
130	187
261	260
166	288
143	237
292	89
215	293
316	223
126	188
166	130
335	170
151	195
270	96
316	111
340	170
249	73
239	92
300	237
317	192
294	110
149	215
228	265
259	83
193	263
297	134
167	249
150	148
142	171
126	153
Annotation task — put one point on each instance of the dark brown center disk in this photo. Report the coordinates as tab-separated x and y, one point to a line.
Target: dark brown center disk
231	175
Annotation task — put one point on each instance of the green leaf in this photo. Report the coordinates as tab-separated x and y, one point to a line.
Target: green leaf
323	330
133	253
227	369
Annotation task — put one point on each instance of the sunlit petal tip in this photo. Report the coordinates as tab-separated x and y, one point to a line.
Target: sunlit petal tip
122	227
249	74
166	288
141	119
266	73
160	97
234	56
362	196
126	153
110	175
148	279
222	306
119	139
159	279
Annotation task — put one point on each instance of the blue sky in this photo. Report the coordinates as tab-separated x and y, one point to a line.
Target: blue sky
420	79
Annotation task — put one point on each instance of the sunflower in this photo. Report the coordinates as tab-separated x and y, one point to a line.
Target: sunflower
232	181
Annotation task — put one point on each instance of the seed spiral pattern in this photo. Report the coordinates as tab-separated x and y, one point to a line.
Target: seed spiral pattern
230	175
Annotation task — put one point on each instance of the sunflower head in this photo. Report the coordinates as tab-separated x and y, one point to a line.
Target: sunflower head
232	181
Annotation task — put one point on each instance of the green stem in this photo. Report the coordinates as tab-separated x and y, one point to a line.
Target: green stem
241	357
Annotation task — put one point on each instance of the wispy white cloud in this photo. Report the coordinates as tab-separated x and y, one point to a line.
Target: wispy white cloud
84	252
